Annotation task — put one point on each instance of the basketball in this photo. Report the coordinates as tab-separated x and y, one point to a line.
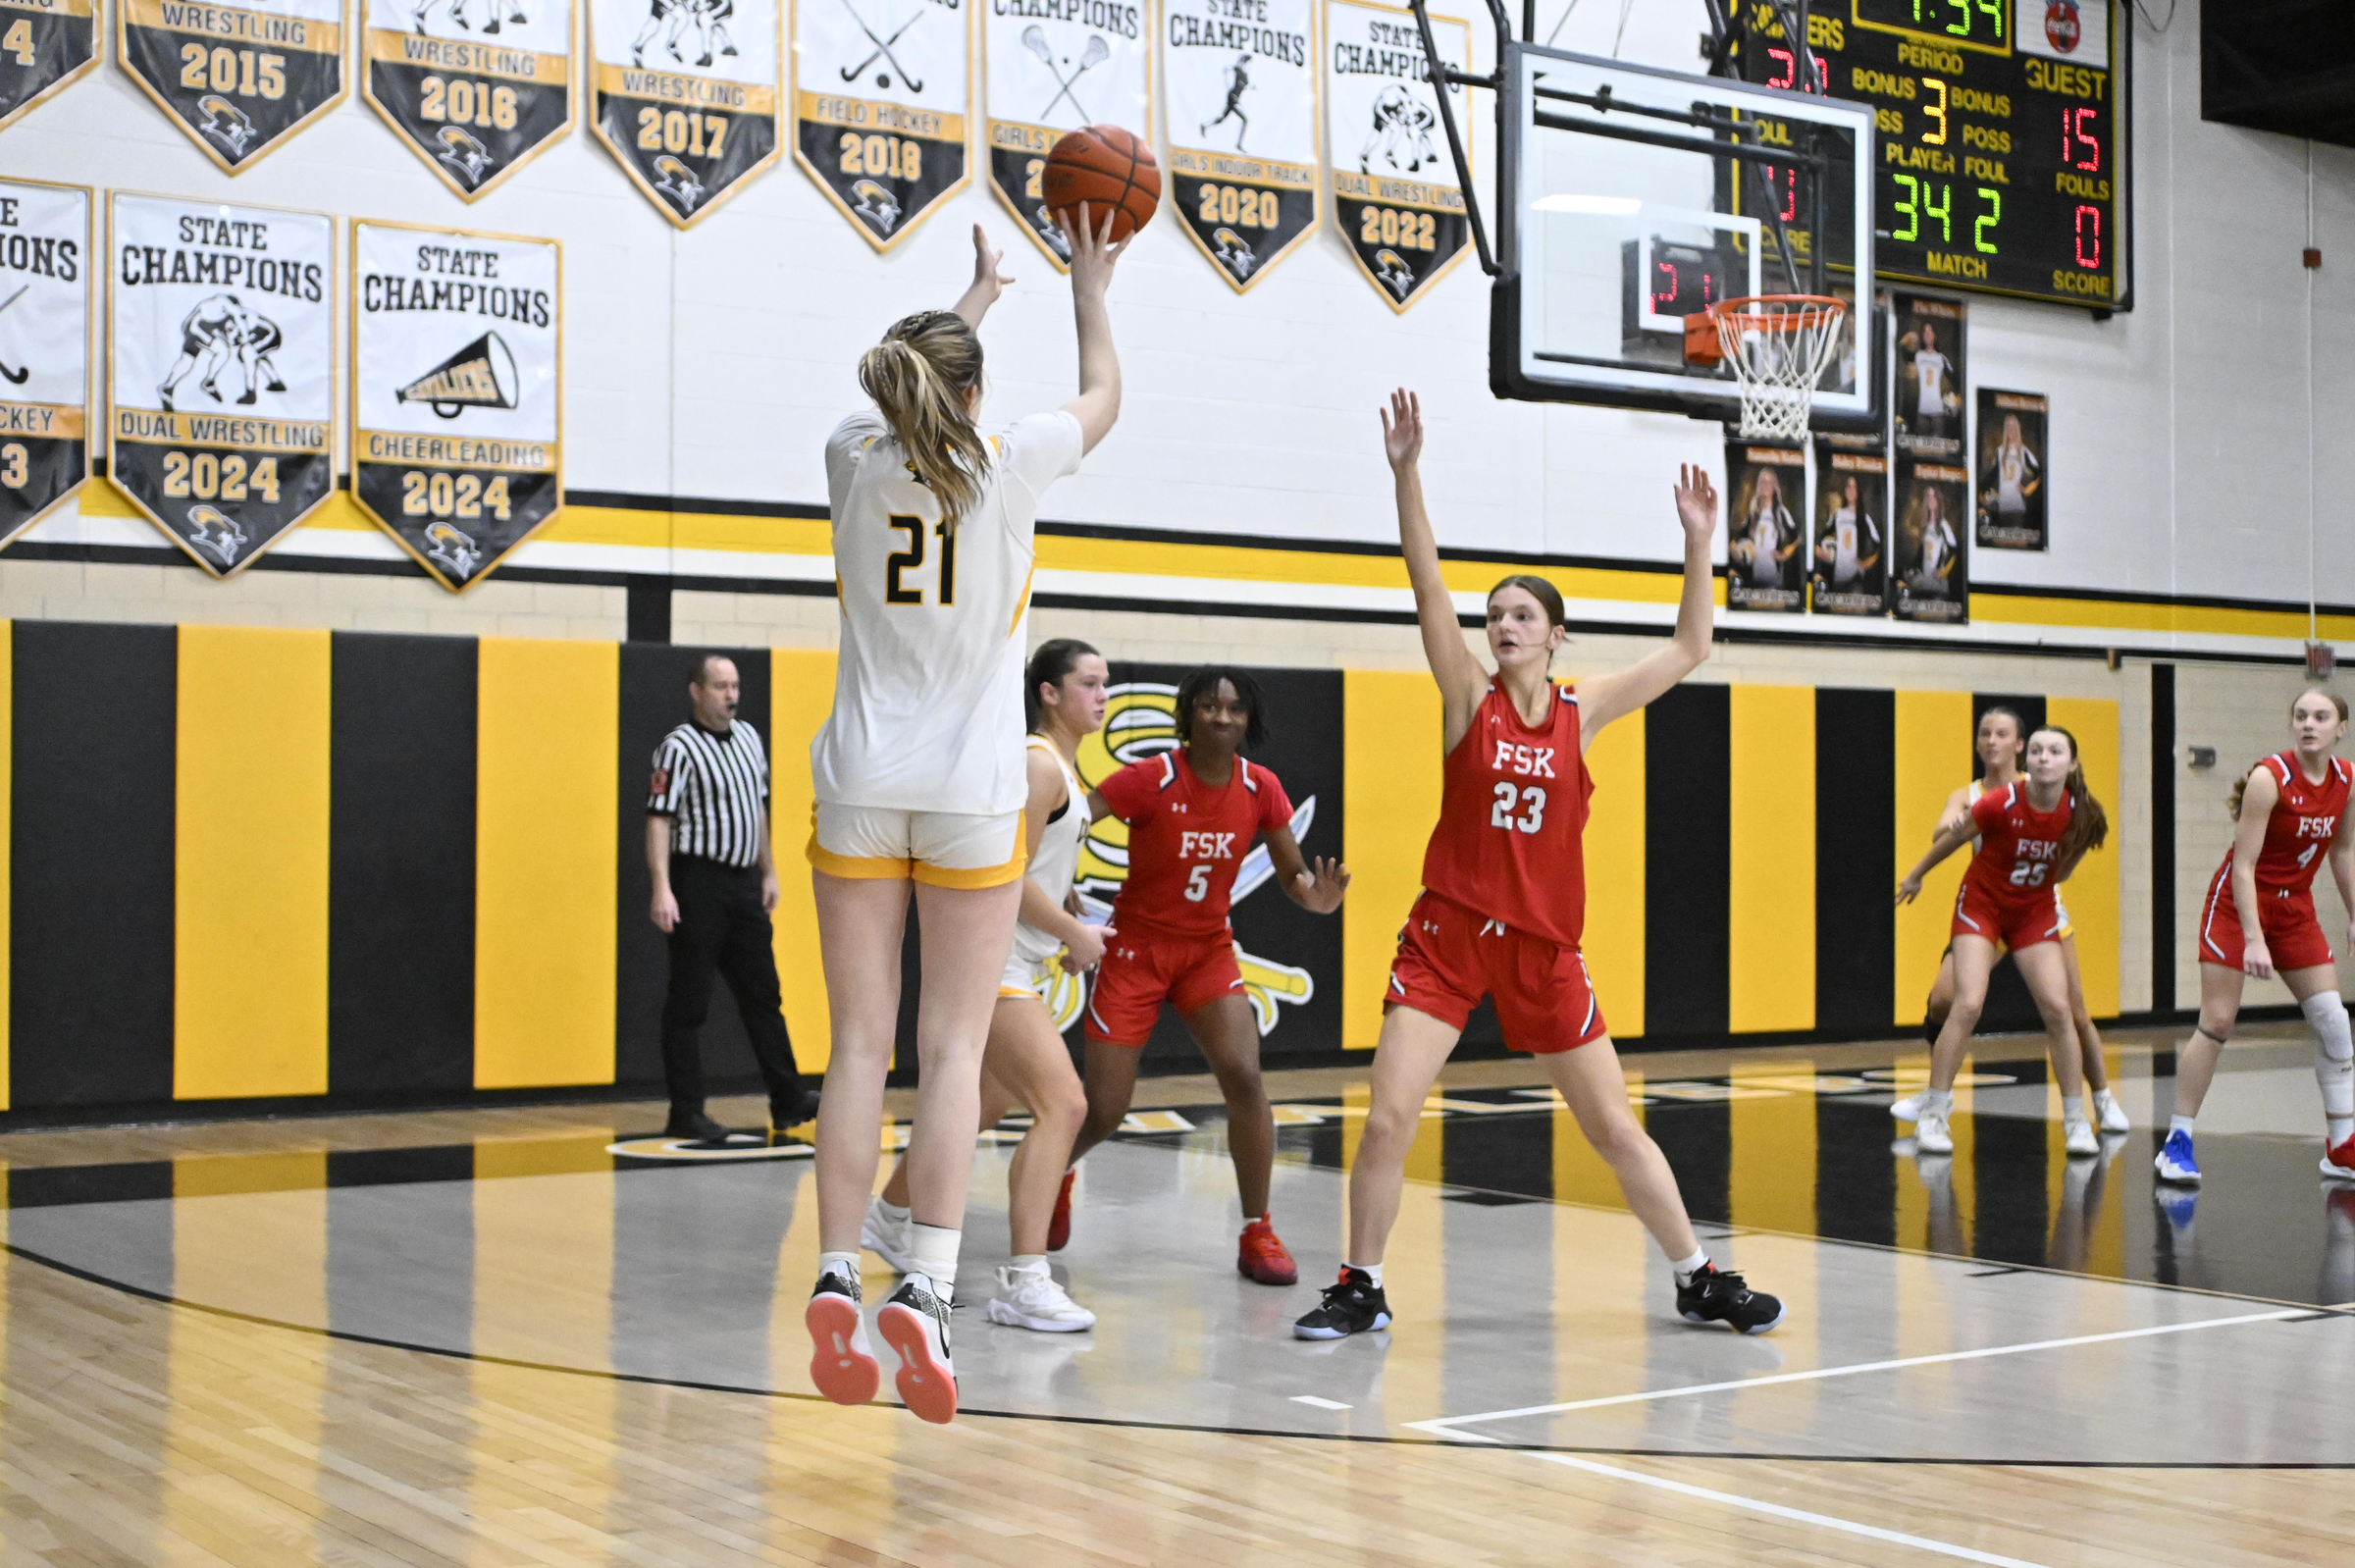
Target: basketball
1105	165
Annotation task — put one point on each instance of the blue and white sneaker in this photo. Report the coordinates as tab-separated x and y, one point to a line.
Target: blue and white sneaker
2175	1162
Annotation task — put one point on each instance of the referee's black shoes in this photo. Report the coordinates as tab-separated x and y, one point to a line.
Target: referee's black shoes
784	1114
696	1127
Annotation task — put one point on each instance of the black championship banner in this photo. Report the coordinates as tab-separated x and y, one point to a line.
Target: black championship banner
1239	80
44	349
2012	435
686	95
43	45
238	80
1931	375
1765	495
476	87
881	89
455	392
1849	558
1394	192
221	401
1054	66
1933	560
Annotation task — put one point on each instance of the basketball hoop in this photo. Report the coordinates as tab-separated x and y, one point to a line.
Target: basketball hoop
1777	346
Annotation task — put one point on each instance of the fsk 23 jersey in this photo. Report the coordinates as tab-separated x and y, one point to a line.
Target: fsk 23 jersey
1512	810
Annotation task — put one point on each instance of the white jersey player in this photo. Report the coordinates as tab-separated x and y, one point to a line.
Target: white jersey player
2016	471
920	780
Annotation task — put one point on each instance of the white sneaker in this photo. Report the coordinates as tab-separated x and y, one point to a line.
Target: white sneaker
2113	1116
1907	1109
886	1237
915	1323
1035	1302
1931	1133
2078	1138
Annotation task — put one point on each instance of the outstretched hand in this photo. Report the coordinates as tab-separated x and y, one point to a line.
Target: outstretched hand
1319	887
1402	429
1695	502
1909	890
989	277
1094	254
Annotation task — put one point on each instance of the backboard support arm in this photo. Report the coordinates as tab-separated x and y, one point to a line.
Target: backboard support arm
1442	75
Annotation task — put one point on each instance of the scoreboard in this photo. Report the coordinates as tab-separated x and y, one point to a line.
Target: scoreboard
2002	162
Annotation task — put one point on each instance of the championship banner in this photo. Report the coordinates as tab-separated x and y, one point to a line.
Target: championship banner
1932	372
238	80
1240	81
1850	556
686	95
1395	190
2012	451
1054	66
1933	564
1765	495
221	402
880	93
455	392
476	87
45	44
44	349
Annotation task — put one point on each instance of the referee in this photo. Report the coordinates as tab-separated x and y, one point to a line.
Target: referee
706	847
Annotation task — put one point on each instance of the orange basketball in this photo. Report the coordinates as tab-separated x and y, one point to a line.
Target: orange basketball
1104	166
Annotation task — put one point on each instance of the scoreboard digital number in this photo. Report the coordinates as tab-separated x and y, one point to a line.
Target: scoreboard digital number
2002	164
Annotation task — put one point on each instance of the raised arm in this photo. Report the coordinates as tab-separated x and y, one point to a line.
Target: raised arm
987	285
1461	679
2257	802
1092	258
1604	698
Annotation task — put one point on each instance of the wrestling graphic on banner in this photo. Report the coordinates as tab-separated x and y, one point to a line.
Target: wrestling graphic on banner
44	349
1394	189
881	89
1240	79
476	87
45	44
221	401
686	95
238	80
455	392
1053	66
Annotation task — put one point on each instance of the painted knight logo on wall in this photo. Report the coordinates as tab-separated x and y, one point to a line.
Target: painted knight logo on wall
476	87
44	349
1395	188
1052	67
238	80
1241	82
880	93
686	95
45	44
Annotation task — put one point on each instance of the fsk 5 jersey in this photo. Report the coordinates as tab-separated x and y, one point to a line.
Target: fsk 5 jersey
1512	808
1187	839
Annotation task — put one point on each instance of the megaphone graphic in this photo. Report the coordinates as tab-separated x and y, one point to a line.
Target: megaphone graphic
481	375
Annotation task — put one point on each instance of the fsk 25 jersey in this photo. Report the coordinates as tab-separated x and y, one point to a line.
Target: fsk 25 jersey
1187	839
2018	859
1512	808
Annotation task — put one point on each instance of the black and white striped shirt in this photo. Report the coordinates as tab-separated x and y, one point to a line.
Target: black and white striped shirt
714	788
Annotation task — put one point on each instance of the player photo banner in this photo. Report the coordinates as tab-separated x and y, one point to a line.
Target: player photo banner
45	44
2013	433
1849	559
1932	376
1395	190
476	87
687	95
44	349
1053	66
456	385
1765	494
1933	564
881	89
221	400
1240	81
238	80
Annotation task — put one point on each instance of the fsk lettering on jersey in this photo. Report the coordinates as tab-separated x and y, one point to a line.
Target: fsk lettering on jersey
1195	846
1525	762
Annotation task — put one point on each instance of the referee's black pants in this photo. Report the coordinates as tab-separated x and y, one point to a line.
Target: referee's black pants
722	927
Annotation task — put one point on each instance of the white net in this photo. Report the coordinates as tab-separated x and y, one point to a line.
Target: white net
1778	347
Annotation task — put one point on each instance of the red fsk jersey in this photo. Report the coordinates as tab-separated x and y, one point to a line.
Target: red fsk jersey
1513	807
1186	839
2305	821
2019	862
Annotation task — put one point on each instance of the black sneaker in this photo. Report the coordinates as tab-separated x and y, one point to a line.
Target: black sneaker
1715	1296
793	1111
1353	1304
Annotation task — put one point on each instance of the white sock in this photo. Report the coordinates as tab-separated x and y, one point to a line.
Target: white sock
1027	1263
1372	1271
2073	1109
845	1264
892	1211
2333	1061
1687	1267
1942	1101
2102	1099
932	1248
2180	1123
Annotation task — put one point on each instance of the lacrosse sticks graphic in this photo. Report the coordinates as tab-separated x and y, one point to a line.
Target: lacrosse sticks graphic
16	376
883	52
1095	53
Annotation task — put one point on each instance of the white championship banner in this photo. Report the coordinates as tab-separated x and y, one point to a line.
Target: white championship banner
44	349
221	402
686	95
1052	66
1394	192
45	44
238	80
1239	78
881	92
456	383
476	87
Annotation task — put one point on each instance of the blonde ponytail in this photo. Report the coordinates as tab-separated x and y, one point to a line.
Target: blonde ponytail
918	376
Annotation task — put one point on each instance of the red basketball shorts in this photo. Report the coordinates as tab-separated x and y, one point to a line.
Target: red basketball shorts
1450	956
2011	925
2294	936
1141	971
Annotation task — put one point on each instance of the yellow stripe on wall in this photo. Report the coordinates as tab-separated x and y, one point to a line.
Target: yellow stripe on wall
1770	873
1615	856
1391	729
2091	892
801	688
8	775
547	731
1933	760
249	863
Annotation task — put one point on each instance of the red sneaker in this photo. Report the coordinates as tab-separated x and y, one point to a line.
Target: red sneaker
1261	1256
1059	1229
2340	1163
